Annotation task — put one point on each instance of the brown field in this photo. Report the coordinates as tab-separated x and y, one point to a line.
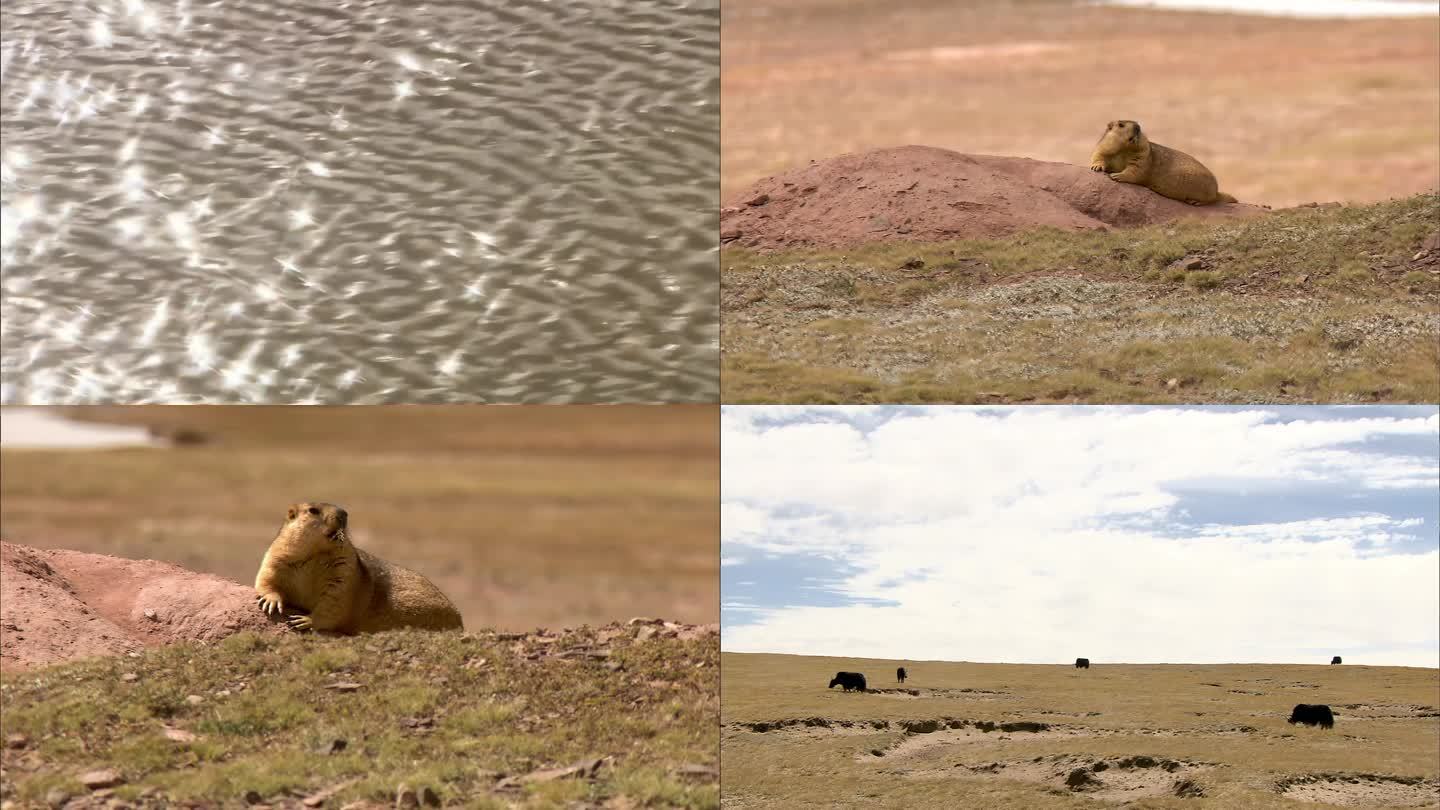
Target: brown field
526	517
1031	736
1284	111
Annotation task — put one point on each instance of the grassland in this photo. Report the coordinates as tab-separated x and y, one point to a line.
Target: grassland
1027	736
1328	304
1284	111
525	516
621	716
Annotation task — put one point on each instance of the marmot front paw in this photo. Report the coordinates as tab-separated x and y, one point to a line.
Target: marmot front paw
1097	167
271	605
300	623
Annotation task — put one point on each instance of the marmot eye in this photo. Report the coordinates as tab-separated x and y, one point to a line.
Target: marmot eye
314	511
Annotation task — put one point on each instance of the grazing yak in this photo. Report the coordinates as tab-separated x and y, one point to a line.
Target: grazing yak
900	674
1335	660
849	681
1082	663
1316	714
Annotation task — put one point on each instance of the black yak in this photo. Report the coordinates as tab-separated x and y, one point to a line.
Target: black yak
849	681
1082	663
1316	714
1335	660
900	674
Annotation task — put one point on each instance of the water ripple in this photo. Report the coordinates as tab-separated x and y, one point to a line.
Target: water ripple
368	201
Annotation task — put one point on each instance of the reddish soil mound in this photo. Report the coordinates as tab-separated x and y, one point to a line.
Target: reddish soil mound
924	194
60	605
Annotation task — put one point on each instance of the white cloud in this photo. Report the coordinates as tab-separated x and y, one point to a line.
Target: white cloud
1023	535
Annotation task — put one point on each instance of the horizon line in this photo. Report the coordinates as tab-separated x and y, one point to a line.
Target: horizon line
1093	662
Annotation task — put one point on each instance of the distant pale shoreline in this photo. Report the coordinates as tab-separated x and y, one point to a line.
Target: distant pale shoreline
37	429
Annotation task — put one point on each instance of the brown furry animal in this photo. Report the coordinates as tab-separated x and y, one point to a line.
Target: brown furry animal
1129	157
313	568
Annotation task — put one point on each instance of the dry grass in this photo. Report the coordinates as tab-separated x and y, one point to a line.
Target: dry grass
1284	111
451	713
526	516
1220	726
1306	305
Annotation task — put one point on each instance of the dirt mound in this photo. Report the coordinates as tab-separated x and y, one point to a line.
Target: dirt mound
925	194
62	605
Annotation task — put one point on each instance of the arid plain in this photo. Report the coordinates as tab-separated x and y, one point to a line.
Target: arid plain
959	734
1284	111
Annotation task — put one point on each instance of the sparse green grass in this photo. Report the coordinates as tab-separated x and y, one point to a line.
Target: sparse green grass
526	516
266	722
1308	305
1109	711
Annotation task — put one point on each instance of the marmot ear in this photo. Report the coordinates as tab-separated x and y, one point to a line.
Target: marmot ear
1135	137
290	515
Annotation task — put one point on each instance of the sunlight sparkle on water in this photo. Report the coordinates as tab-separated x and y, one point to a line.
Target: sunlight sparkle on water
200	350
131	227
301	218
100	35
450	366
156	323
9	229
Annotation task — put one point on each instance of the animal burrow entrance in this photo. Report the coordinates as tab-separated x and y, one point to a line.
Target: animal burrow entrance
1111	779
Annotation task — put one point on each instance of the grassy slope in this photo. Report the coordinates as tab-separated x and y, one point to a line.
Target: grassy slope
1305	305
524	516
494	712
1143	710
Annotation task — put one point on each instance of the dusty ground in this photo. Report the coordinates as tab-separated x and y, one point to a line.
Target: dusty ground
1027	736
1329	304
525	517
1283	111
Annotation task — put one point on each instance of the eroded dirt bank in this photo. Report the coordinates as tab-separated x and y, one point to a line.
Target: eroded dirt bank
61	605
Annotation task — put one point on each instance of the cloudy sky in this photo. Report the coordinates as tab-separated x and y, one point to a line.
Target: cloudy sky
1038	534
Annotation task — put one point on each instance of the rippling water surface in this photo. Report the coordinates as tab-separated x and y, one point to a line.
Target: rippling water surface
367	201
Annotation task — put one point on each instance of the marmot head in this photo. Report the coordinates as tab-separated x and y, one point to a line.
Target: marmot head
1118	132
319	521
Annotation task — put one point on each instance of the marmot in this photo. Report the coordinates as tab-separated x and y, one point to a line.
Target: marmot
314	569
1129	157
